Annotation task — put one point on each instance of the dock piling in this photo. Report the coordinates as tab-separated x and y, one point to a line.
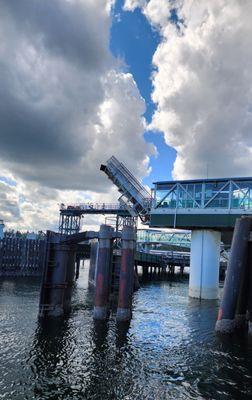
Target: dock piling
232	284
126	285
103	274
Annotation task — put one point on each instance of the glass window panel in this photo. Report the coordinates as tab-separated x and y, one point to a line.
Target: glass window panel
198	192
220	200
182	195
190	196
171	200
160	194
163	199
242	195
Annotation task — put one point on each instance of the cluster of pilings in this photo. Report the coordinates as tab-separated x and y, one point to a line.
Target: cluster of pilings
61	268
106	262
236	305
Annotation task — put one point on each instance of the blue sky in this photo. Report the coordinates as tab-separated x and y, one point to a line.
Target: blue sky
134	41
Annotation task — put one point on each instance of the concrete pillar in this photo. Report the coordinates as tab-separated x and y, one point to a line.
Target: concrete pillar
204	264
103	275
126	285
236	266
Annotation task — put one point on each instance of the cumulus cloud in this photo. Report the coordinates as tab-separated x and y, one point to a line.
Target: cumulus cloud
65	105
202	83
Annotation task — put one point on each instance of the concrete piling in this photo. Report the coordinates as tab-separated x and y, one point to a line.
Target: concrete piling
103	275
204	264
126	285
236	266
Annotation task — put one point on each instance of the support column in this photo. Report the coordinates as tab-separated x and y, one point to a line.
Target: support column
236	266
204	264
103	276
126	285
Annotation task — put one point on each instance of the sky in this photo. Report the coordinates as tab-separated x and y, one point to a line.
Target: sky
164	85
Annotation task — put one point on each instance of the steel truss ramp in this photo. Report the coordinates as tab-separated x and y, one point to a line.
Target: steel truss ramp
135	197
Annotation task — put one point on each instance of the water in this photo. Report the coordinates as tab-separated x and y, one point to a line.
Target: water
169	350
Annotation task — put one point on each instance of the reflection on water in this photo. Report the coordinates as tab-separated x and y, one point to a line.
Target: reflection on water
168	351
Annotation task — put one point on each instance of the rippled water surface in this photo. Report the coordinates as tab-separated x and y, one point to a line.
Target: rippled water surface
169	350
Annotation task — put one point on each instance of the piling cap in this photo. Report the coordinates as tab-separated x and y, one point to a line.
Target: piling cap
128	233
106	232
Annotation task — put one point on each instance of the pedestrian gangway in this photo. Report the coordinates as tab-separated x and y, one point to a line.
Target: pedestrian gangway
135	197
151	236
201	203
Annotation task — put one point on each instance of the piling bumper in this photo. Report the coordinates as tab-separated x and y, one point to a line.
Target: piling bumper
226	322
103	274
204	264
126	285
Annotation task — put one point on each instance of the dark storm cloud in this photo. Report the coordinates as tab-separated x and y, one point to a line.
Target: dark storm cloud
33	136
63	28
64	108
52	58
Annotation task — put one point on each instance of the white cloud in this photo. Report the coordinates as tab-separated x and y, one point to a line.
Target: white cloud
65	107
202	84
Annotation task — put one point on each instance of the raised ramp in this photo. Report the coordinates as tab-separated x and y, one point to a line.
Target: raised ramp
134	195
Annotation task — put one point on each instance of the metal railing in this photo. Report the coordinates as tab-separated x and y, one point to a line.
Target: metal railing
93	206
